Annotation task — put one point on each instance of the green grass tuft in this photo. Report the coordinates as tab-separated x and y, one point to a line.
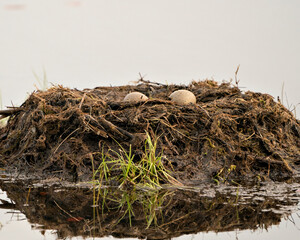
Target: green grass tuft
148	171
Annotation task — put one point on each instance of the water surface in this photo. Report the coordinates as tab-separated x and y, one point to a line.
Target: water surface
52	210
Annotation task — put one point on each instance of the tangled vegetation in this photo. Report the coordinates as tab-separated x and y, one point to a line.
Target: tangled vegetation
229	135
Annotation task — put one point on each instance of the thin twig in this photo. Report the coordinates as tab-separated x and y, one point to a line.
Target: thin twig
65	140
235	76
83	97
8	112
149	82
76	219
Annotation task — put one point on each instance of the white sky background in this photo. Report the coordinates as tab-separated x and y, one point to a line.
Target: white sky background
91	43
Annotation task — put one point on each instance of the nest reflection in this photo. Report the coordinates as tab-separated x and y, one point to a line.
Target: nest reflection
146	213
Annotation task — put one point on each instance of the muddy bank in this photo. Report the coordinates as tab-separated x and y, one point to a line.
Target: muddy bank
149	214
228	135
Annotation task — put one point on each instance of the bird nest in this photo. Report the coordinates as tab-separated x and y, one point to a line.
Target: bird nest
228	135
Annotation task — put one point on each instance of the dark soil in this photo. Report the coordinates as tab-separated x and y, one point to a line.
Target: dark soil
228	135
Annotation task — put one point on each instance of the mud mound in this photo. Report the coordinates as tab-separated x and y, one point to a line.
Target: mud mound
228	135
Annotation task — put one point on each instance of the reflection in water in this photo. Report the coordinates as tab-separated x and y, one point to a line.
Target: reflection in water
84	211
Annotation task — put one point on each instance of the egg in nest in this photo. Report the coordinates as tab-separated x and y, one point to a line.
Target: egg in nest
135	97
183	97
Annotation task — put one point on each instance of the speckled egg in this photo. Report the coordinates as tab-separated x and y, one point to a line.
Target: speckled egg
135	97
183	97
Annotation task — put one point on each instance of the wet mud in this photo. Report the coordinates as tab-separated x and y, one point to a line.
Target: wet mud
228	136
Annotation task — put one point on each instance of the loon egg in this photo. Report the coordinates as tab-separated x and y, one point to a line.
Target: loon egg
183	97
135	97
